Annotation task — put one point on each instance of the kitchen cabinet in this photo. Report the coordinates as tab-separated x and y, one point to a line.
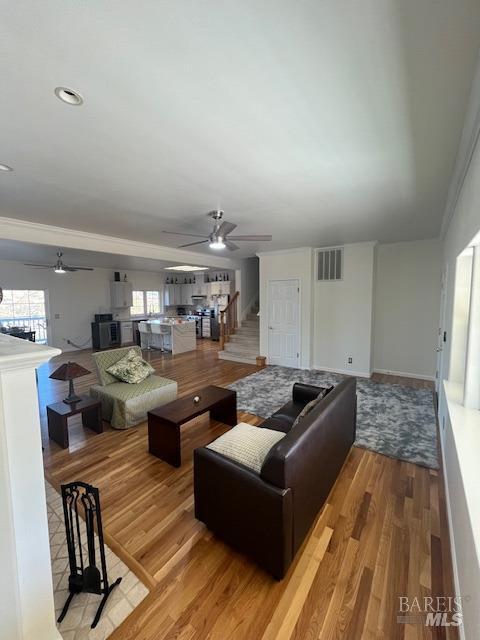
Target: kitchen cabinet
225	288
121	295
186	292
214	288
172	294
126	332
181	294
206	327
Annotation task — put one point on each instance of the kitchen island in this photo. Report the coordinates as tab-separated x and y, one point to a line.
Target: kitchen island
176	337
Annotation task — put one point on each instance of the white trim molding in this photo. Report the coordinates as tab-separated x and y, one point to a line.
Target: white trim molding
345	372
24	231
404	374
466	149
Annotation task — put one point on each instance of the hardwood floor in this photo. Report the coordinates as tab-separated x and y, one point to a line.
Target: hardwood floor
382	533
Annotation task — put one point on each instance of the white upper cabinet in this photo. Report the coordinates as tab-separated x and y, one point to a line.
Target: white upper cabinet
121	294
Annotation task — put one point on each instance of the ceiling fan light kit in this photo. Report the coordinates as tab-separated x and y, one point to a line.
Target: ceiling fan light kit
59	266
219	238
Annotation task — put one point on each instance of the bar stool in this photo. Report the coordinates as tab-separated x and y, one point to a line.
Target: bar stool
157	335
166	333
145	334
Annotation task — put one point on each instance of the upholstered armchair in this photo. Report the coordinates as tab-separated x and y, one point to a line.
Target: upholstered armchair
125	405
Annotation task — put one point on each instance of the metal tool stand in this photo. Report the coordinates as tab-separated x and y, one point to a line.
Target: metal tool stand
89	579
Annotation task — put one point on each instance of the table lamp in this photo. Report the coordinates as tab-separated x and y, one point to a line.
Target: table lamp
70	371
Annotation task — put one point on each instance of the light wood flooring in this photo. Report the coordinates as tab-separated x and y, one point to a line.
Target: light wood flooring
381	534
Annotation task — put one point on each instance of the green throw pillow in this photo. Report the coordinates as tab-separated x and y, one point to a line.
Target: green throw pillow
132	368
310	405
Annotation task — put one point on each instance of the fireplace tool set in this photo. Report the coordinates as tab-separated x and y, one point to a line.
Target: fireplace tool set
81	502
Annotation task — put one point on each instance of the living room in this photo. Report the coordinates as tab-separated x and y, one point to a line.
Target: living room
277	206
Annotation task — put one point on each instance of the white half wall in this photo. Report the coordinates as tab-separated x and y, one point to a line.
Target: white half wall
343	314
407	307
74	297
459	444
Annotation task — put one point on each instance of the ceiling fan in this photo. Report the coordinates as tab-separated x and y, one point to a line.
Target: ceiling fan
220	237
59	266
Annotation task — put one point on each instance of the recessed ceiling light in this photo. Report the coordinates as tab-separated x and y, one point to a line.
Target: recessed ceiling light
69	96
5	167
185	267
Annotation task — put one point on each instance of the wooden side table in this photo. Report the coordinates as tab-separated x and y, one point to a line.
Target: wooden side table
58	414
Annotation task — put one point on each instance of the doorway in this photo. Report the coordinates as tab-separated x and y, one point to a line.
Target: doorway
25	308
284	322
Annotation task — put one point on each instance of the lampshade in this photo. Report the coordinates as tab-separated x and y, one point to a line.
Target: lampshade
69	371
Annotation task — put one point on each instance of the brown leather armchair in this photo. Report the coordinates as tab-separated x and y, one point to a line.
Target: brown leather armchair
268	516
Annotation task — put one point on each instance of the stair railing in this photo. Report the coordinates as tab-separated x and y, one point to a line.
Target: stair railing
228	320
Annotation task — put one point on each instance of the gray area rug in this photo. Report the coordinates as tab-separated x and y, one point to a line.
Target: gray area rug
392	419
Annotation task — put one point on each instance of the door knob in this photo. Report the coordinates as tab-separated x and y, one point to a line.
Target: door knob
438	349
271	328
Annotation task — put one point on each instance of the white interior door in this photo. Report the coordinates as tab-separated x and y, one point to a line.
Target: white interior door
284	322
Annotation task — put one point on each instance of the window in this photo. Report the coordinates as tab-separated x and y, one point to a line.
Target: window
25	308
145	302
138	307
153	301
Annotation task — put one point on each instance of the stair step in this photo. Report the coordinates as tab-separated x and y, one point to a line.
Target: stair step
241	339
230	347
250	324
226	355
245	331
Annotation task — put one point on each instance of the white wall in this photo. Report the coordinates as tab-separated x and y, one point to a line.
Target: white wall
285	265
74	297
407	307
250	283
342	325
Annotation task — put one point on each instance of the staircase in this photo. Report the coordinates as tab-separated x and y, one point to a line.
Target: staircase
244	344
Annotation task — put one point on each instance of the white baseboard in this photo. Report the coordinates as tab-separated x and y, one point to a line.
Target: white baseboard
404	374
345	372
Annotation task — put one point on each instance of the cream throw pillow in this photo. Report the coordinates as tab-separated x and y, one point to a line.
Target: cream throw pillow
132	368
247	444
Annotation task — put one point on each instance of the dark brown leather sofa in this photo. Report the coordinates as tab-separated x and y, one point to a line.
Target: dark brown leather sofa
267	516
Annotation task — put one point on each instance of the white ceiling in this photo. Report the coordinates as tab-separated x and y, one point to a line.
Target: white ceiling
317	121
44	254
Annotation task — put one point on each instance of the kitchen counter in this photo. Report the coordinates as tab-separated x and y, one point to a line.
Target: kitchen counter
177	337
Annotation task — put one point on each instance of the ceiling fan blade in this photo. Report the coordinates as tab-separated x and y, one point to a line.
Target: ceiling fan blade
179	233
225	228
251	238
191	244
77	268
231	246
39	266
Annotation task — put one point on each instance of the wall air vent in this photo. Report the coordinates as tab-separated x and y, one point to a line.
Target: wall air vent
330	264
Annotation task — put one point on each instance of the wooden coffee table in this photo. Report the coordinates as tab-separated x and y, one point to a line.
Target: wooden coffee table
164	423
